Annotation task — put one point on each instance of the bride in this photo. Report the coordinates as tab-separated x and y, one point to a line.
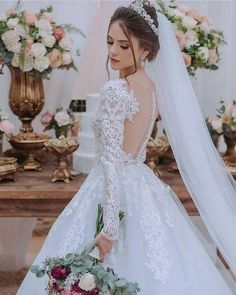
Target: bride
156	244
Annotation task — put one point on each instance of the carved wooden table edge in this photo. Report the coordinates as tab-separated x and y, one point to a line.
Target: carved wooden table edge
33	194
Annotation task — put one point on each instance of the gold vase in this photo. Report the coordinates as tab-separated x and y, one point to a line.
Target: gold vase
26	96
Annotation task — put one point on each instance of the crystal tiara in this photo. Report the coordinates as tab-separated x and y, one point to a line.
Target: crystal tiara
137	6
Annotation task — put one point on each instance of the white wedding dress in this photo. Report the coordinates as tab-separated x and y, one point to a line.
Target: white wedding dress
156	244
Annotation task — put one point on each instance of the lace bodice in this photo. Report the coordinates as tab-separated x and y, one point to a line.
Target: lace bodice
117	105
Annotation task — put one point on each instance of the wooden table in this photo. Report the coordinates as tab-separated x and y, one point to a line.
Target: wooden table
34	195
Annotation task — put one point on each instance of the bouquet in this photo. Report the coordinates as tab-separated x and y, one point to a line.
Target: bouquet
5	125
225	121
199	41
34	42
82	274
61	121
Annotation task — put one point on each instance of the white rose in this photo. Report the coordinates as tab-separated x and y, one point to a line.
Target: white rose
203	52
15	60
62	118
28	63
66	58
12	22
66	42
10	37
176	12
217	125
44	26
41	63
21	30
189	22
190	38
38	49
87	282
48	41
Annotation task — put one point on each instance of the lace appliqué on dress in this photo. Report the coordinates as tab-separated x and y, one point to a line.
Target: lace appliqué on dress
115	107
152	226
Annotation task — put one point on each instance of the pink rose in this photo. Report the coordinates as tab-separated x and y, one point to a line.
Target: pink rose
195	14
55	57
30	18
46	118
48	16
180	38
59	33
213	56
187	59
6	126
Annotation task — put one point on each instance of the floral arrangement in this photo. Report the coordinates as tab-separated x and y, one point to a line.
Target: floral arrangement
34	42
61	121
5	125
62	141
199	41
158	142
82	274
225	121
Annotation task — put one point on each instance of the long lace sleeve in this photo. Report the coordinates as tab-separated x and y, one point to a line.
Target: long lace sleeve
112	115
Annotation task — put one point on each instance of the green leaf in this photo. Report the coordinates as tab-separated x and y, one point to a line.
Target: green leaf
121	282
34	268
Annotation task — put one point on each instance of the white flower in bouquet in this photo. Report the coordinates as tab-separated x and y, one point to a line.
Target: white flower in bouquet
183	8
21	30
38	50
217	125
191	38
66	58
189	22
55	57
41	63
30	18
62	118
10	39
48	41
87	282
48	16
12	22
203	52
66	42
176	12
44	26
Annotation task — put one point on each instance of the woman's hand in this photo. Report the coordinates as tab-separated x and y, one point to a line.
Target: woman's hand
103	245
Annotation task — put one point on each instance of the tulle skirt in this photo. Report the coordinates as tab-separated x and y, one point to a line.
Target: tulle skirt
159	247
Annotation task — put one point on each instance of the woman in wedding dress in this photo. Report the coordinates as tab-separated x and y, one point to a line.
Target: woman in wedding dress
156	244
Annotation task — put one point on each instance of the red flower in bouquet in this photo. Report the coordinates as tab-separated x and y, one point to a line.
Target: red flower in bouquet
60	272
77	288
57	287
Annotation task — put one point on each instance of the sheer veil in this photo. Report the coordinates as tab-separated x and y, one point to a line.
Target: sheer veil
201	167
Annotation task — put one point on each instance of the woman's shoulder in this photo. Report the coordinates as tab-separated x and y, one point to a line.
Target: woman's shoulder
114	84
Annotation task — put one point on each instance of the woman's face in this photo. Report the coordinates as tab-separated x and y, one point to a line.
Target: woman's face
119	50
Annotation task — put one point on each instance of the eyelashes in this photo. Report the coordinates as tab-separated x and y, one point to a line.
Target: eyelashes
123	47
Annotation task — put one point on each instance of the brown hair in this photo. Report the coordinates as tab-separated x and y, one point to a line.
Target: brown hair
132	23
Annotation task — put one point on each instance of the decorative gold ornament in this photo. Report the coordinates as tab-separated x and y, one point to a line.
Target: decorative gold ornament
26	96
29	142
62	171
230	155
8	166
155	149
